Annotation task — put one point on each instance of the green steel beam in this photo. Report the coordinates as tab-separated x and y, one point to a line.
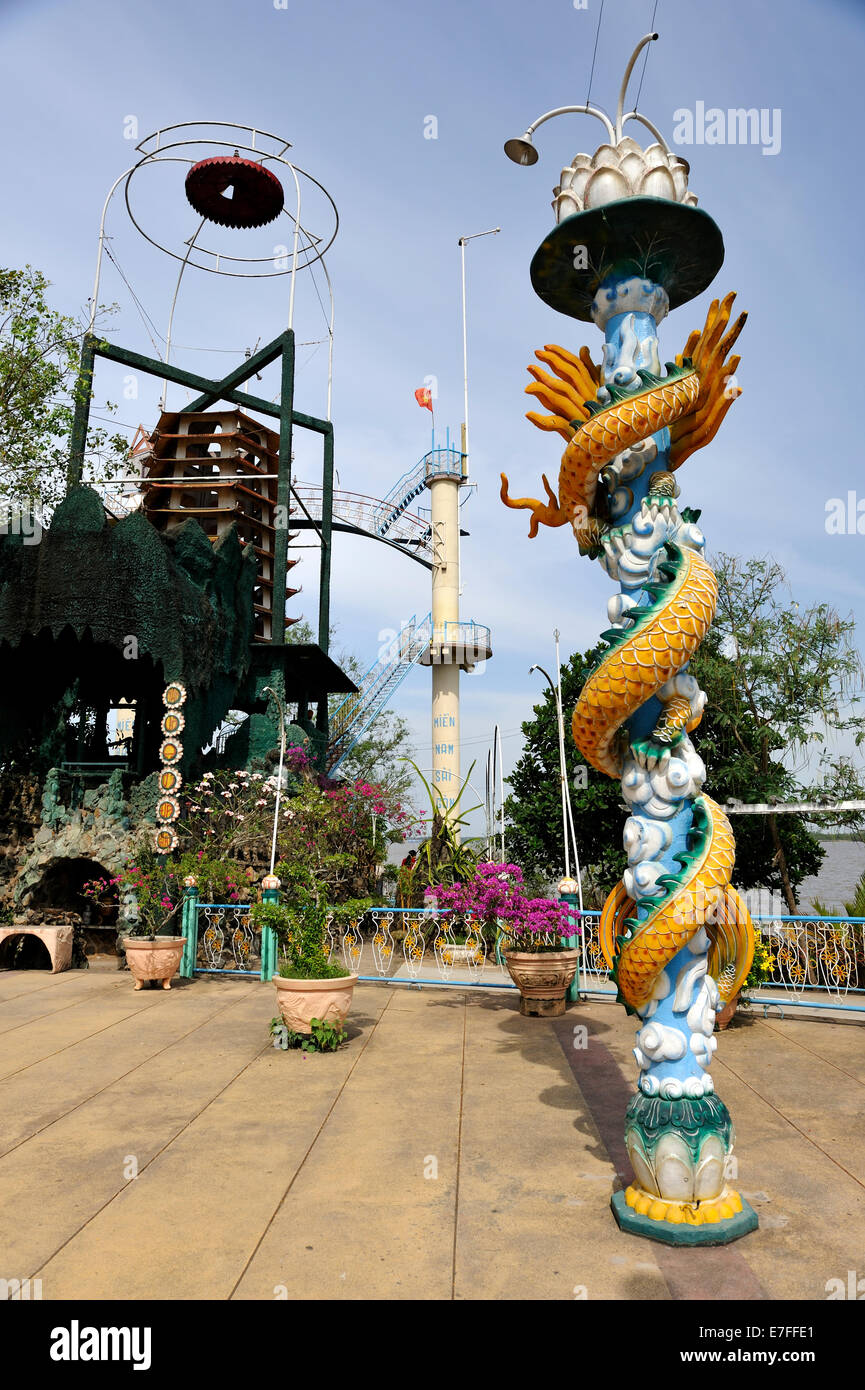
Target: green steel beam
311	422
262	358
214	390
81	419
153	367
283	488
326	538
326	543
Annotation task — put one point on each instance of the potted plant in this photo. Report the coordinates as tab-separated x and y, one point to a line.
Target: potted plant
309	989
445	856
530	929
151	954
761	970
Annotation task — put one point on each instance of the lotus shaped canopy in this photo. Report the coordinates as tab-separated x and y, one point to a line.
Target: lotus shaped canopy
620	171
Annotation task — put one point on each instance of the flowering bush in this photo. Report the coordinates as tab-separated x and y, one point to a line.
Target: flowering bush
231	813
158	892
762	965
218	880
495	897
331	838
337	836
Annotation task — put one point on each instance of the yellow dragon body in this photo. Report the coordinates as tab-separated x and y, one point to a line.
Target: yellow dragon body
691	402
701	896
653	645
663	638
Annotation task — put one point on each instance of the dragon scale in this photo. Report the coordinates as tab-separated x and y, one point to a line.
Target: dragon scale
676	935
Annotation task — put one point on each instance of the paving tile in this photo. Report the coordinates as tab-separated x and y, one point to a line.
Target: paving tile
452	1149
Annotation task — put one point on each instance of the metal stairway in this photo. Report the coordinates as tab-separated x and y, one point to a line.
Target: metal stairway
353	717
405	490
353	511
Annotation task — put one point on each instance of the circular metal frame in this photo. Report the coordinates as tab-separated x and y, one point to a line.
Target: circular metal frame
305	251
161	155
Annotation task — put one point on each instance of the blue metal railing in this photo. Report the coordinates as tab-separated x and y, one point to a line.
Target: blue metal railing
443	463
823	957
813	955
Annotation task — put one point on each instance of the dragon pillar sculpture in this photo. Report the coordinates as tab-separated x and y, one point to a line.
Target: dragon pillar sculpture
629	245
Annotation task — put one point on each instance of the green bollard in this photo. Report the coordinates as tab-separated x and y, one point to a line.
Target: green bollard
270	886
568	894
189	927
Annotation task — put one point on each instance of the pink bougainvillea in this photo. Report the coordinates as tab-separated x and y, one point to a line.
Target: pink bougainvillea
496	897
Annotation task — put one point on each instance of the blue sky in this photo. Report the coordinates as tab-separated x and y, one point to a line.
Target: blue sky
351	85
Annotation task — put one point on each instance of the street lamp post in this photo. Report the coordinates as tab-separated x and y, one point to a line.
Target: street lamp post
463	241
268	689
566	885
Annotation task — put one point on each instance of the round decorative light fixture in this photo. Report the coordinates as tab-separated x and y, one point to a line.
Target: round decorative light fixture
174	694
169	780
165	840
171	751
167	809
173	723
234	192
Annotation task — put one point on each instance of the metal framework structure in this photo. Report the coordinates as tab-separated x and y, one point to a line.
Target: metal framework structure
211	150
357	514
183	146
227	389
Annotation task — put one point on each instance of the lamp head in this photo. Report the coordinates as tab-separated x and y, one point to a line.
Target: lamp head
521	151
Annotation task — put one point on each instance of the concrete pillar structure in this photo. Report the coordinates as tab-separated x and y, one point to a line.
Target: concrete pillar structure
454	646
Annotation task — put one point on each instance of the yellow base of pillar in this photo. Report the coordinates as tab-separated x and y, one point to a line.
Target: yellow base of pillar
721	1208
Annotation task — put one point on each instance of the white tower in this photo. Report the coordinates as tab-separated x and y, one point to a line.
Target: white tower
455	646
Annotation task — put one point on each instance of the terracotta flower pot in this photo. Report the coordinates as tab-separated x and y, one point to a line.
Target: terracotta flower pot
155	958
724	1018
300	1001
542	978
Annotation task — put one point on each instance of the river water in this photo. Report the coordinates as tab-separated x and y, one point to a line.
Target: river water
836	882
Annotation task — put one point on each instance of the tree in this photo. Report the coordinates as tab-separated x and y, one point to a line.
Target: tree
779	678
743	764
533	810
380	754
39	352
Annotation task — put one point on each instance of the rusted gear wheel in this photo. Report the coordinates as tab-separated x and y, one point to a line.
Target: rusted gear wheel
256	194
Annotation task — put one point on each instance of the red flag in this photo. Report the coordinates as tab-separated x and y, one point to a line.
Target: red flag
423	396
